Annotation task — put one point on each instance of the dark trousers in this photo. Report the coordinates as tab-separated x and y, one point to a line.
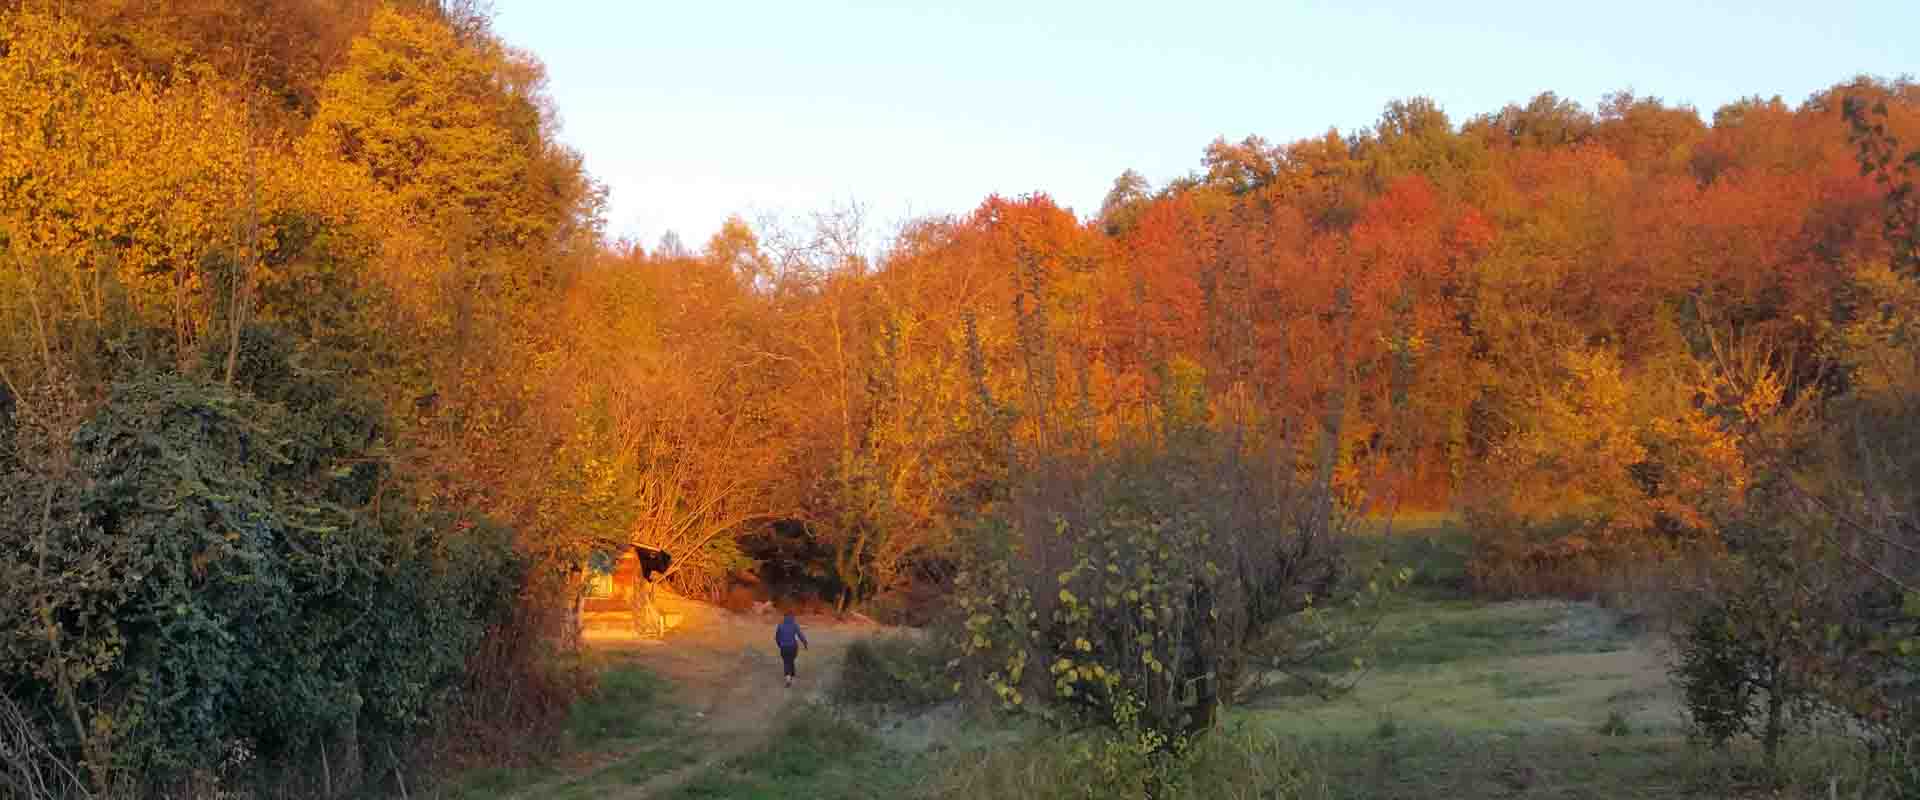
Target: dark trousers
787	654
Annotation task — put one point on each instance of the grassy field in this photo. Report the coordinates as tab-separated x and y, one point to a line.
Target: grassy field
1459	698
1441	660
1532	699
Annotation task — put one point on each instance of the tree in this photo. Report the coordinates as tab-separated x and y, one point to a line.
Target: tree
654	446
1879	154
671	248
1414	136
1547	120
1645	131
1124	202
736	248
1239	168
452	128
284	47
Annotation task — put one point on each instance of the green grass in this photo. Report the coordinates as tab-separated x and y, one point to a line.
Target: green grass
813	755
628	703
1519	686
646	765
632	770
496	782
628	710
1563	765
1397	760
1467	698
1452	632
1437	552
1461	698
1439	661
1235	763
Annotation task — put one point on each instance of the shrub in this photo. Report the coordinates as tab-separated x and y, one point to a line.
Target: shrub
28	768
894	672
1747	655
1616	725
1711	669
1138	577
220	579
1386	728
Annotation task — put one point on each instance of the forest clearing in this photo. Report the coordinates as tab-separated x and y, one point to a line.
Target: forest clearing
353	443
1524	699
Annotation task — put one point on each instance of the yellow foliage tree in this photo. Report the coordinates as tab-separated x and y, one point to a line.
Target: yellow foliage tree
125	204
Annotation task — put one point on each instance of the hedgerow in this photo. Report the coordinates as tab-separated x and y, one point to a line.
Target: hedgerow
212	579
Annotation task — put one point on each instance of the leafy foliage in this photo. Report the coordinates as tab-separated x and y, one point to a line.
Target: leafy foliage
1814	609
1633	345
1136	586
214	577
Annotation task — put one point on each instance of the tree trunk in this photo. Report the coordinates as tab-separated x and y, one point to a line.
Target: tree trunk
349	746
1776	725
343	778
576	622
646	618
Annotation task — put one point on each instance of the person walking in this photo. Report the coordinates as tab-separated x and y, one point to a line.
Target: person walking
789	638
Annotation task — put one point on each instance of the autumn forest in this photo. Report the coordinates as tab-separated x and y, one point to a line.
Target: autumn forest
324	387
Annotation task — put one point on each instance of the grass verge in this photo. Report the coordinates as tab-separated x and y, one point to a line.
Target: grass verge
629	713
815	755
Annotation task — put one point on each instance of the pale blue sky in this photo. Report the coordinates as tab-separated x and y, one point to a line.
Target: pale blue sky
693	110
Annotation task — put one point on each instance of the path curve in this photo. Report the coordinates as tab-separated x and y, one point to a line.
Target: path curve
724	667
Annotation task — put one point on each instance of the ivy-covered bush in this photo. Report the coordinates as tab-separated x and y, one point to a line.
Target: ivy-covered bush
1133	586
221	576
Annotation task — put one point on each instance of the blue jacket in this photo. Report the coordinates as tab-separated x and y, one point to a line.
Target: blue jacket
789	634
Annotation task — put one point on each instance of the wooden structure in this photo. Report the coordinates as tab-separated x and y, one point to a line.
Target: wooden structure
635	568
618	587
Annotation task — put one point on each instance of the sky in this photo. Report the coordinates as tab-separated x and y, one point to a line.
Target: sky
693	110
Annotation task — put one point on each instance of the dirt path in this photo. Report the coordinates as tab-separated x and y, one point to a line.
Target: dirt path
724	668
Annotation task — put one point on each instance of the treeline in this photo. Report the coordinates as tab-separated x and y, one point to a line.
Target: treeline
1543	315
305	315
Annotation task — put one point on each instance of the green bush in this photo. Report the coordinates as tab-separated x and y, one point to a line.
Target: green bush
1711	668
1755	642
218	580
1616	725
1386	728
894	672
